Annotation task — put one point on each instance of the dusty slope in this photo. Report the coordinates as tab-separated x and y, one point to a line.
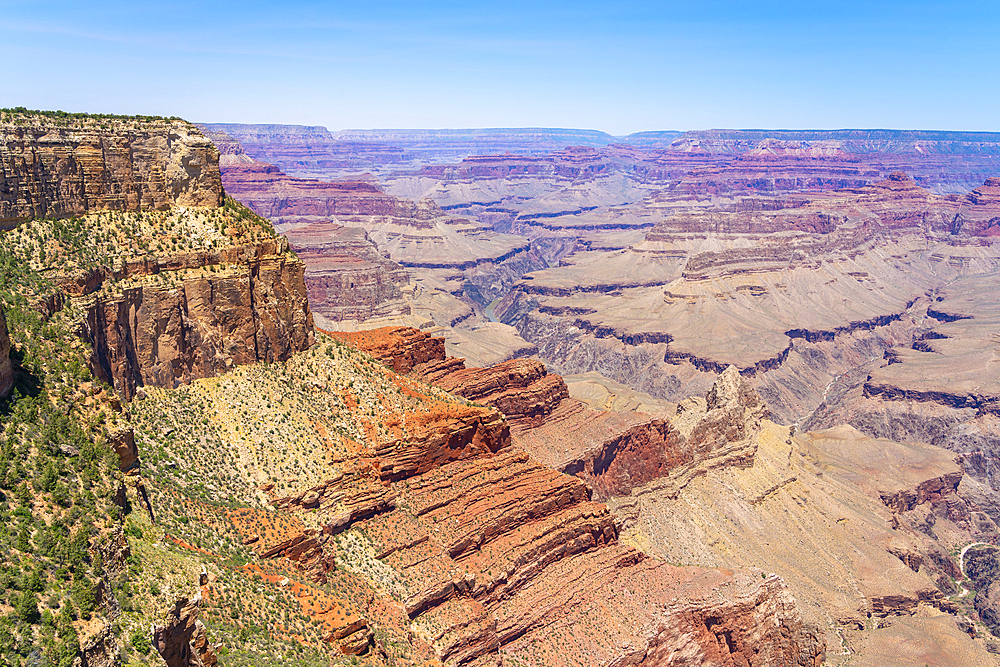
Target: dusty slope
455	539
863	530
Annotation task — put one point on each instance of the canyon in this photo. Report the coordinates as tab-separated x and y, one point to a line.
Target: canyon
396	397
815	264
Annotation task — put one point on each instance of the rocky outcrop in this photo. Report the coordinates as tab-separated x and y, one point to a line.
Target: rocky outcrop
980	211
760	626
522	389
201	325
61	167
438	438
122	441
182	642
639	455
487	550
400	348
184	284
6	370
614	455
931	490
101	650
717	432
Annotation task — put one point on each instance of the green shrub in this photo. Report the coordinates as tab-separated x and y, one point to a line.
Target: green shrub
140	641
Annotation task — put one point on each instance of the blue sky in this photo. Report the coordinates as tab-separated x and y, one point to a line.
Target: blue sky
620	67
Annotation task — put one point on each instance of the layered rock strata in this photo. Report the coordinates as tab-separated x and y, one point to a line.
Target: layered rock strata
285	200
655	472
772	283
172	281
487	550
304	150
55	167
463	265
346	277
612	452
165	335
940	387
516	549
980	211
522	389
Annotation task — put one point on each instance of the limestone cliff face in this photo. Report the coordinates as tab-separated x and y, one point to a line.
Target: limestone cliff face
59	167
169	333
173	281
6	371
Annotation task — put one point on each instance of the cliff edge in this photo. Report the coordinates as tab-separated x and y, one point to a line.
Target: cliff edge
126	221
57	164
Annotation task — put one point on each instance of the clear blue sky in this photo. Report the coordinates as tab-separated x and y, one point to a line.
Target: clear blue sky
619	66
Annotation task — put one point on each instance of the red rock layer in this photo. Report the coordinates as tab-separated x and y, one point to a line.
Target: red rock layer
52	168
497	552
488	551
522	389
399	348
613	453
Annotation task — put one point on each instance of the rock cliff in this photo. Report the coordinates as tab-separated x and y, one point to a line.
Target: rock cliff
201	325
60	166
449	535
166	279
346	277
